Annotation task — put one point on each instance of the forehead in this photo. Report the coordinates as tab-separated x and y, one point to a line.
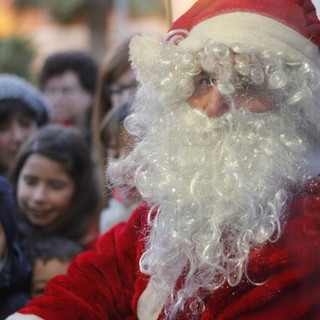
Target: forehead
40	165
15	108
18	115
67	78
44	271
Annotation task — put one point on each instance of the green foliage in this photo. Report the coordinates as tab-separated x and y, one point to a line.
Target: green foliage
62	11
16	56
143	7
25	4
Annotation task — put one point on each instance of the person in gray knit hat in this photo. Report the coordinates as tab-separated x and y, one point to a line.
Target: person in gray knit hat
23	109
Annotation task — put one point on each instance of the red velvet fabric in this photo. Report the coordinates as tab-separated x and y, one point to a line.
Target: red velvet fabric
106	284
300	15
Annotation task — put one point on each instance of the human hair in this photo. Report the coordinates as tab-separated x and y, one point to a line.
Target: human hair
18	94
53	247
8	107
112	127
114	66
67	147
77	61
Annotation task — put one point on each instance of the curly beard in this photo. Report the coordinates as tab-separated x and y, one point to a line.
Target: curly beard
220	186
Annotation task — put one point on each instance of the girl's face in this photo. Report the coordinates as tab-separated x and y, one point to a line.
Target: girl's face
44	190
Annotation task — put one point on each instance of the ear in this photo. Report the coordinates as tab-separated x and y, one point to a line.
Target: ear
145	54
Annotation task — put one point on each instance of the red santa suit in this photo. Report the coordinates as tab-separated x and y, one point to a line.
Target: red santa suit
284	275
106	283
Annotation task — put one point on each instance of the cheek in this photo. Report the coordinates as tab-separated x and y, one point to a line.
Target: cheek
3	138
23	193
87	98
30	130
5	160
4	141
81	102
197	102
259	106
63	200
255	104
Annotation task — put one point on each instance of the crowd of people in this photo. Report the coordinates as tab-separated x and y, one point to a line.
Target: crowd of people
51	164
177	180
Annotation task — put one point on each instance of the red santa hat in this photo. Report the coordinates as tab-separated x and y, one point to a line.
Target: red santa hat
286	26
290	26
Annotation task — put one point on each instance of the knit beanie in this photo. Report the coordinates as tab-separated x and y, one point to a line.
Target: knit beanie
14	87
8	211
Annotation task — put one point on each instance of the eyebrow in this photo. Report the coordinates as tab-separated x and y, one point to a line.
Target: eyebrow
54	180
28	175
202	73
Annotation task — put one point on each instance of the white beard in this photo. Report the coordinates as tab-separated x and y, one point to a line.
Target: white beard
220	186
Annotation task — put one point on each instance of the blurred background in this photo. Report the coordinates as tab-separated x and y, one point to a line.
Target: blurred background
30	30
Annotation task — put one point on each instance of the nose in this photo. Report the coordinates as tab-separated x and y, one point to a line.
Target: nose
18	134
39	193
211	102
55	99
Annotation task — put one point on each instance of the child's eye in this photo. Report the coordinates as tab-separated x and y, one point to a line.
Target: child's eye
57	185
30	181
26	122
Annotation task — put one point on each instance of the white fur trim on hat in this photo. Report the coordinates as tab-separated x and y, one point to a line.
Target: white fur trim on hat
20	316
144	52
251	30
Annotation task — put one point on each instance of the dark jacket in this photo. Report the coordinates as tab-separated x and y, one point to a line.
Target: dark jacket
15	273
14	282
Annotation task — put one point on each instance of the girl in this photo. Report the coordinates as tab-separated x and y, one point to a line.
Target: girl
117	142
116	86
55	186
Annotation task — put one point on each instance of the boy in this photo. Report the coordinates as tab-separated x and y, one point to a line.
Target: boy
23	109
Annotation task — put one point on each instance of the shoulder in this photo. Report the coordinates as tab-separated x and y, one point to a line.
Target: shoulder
305	209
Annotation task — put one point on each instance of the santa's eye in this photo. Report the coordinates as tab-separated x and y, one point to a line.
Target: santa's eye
204	80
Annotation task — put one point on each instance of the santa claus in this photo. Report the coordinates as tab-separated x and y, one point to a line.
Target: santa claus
227	129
